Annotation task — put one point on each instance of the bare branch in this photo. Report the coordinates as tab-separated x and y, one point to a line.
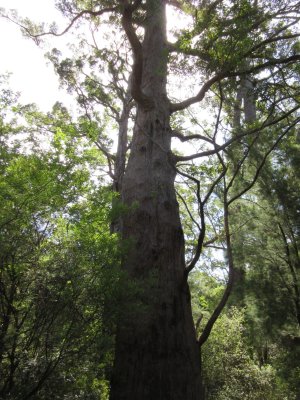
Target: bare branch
183	138
200	96
188	210
218	148
241	162
53	33
230	74
214	184
201	228
272	40
215	315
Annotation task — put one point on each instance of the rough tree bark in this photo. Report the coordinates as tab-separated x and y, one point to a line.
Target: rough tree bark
157	356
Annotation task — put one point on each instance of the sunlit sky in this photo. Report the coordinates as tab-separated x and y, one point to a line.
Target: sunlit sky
32	75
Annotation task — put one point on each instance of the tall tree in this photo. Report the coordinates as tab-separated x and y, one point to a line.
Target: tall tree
156	346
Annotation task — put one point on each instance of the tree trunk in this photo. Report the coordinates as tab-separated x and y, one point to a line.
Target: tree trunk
120	162
157	357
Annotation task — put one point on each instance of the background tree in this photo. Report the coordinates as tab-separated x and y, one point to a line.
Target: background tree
59	263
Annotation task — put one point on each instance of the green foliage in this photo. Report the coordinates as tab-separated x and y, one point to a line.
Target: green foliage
230	372
265	238
206	293
59	275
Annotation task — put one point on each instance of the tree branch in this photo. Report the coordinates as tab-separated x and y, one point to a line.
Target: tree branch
200	96
76	18
219	148
175	48
246	189
215	315
201	228
183	138
137	69
230	74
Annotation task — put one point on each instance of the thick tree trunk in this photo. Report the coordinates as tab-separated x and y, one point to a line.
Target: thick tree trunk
157	357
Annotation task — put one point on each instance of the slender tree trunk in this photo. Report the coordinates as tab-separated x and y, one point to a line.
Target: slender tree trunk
120	162
156	351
